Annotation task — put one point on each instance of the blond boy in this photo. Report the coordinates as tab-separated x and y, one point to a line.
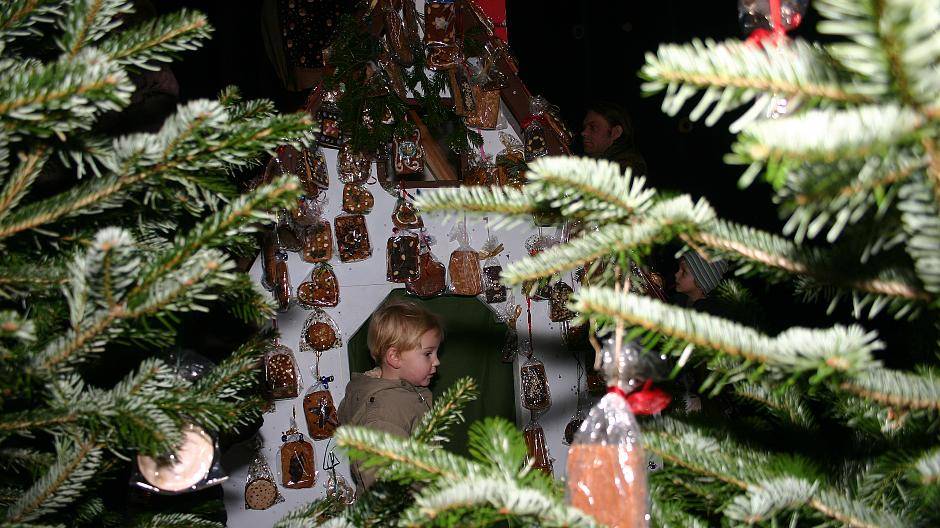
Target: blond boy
403	340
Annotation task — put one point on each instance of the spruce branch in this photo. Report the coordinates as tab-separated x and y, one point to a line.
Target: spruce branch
797	351
505	201
21	18
785	402
928	467
76	463
919	214
498	444
16	187
897	389
402	458
658	224
176	520
158	39
446	412
87	21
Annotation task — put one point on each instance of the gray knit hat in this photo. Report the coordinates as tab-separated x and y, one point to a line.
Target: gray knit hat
707	273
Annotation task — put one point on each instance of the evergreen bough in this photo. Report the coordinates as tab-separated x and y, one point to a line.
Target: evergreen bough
106	241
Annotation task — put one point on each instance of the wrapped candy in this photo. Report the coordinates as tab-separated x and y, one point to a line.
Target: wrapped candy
330	134
405	215
193	465
314	174
402	258
357	199
533	129
431	274
408	153
606	462
352	238
260	490
297	466
320	289
281	373
536	395
464	267
536	447
319	410
351	166
319	333
318	243
493	289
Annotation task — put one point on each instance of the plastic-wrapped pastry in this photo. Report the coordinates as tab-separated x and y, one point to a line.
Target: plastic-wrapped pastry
357	199
351	166
282	287
281	373
319	410
485	114
314	174
430	281
352	238
318	243
319	333
298	469
405	215
328	116
260	490
321	289
558	310
408	153
533	129
536	395
464	266
402	258
537	448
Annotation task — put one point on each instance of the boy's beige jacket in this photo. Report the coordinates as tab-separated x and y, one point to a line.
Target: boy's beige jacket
393	406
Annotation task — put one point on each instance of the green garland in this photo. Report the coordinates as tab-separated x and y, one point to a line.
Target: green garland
352	50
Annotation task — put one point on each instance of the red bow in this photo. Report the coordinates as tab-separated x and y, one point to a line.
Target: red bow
647	400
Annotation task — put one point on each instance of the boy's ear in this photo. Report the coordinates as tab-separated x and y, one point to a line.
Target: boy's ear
393	357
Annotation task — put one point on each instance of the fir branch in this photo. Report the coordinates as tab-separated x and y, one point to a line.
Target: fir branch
87	21
505	201
498	444
596	187
62	97
237	372
157	40
18	184
76	464
735	73
785	402
928	467
20	18
797	351
666	513
476	496
173	520
15	326
19	459
895	388
658	224
446	412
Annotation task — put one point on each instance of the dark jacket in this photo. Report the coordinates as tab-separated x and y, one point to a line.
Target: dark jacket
627	156
393	406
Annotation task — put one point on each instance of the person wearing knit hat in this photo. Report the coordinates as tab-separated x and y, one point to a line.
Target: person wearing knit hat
697	277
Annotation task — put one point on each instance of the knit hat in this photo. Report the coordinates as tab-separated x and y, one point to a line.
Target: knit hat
707	273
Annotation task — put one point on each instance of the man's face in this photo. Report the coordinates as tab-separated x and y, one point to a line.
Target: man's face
597	134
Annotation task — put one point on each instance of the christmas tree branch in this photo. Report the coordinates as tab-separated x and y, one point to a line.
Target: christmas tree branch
446	412
839	349
18	184
75	465
919	213
928	467
176	520
897	389
158	39
402	458
785	402
86	21
505	201
20	18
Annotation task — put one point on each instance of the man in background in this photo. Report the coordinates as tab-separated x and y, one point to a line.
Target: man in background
607	134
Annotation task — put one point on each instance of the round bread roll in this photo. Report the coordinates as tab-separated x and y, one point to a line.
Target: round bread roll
260	494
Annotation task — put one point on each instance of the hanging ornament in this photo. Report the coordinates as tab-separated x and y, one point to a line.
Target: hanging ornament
188	467
319	411
282	287
511	343
464	267
485	114
286	232
395	35
573	425
269	252
431	274
510	162
440	23
328	117
533	129
761	19
394	75
493	288
260	490
320	290
308	210
536	395
281	373
402	258
352	238
318	243
351	166
357	199
606	462
337	488
319	333
314	174
409	155
537	448
297	459
405	215
559	297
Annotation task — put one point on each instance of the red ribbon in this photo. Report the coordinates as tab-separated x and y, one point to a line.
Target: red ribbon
647	400
778	34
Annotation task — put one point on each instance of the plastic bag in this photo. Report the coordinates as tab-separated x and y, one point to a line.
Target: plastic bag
320	289
405	215
330	134
281	373
352	238
537	448
493	289
282	287
558	310
408	154
464	267
357	199
319	410
606	462
536	394
318	242
269	252
319	333
431	274
260	489
510	316
533	129
298	469
402	262
351	166
439	23
194	465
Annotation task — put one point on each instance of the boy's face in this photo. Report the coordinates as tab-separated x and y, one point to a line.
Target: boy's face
685	282
419	364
